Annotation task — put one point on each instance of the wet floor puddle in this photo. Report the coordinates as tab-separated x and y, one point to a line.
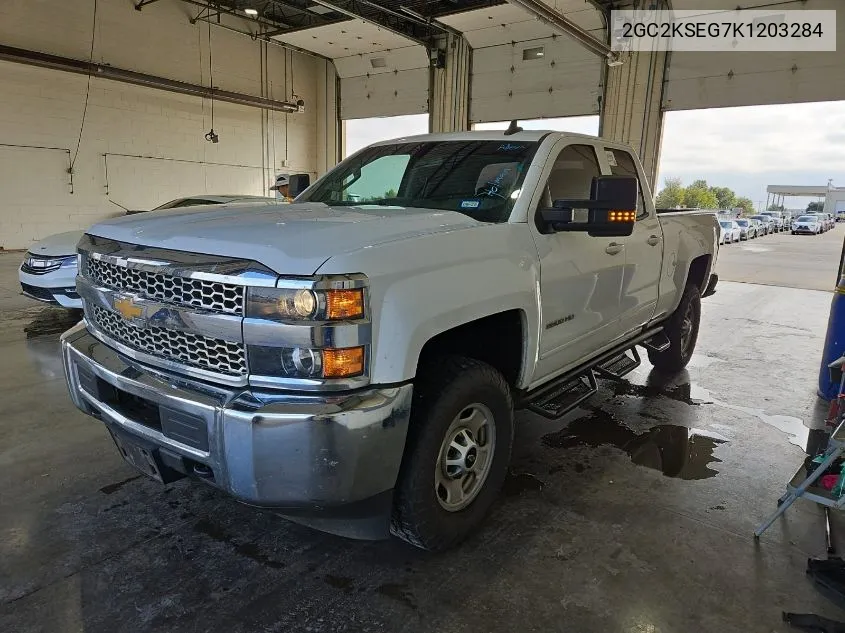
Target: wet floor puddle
692	394
677	451
40	321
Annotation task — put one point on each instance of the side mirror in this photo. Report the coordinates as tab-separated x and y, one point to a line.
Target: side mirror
298	184
611	209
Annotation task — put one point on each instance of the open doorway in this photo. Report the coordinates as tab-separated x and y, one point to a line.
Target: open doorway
362	132
727	157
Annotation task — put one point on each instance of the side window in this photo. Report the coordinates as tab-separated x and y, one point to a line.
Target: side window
622	164
572	174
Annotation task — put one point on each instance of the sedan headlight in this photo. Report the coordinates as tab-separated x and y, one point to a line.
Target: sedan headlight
305	304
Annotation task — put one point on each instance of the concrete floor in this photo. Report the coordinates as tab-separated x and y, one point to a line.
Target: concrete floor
782	259
589	535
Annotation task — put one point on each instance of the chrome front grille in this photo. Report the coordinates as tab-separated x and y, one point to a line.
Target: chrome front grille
211	354
198	293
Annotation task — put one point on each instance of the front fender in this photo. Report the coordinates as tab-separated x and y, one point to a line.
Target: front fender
423	286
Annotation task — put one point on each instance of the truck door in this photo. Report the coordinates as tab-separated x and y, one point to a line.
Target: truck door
580	275
643	250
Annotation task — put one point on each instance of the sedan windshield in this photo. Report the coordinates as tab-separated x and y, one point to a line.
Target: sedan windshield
742	223
480	179
726	225
807	218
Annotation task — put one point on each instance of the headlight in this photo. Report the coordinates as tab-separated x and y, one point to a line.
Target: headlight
304	362
288	304
69	261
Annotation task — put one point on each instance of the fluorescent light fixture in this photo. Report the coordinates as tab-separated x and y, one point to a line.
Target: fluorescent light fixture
252	12
536	52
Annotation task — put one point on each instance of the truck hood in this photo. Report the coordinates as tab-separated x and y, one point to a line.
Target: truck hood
293	239
58	244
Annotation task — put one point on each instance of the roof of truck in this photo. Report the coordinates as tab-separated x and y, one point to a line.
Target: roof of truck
483	135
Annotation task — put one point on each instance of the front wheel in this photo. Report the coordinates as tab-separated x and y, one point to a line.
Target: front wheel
682	330
456	454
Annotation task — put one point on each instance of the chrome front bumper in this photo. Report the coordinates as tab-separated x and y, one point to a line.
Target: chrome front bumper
305	454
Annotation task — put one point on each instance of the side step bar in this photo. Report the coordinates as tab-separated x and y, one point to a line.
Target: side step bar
618	366
566	392
559	398
657	343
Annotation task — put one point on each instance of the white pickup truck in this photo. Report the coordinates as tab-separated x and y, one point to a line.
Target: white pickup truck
353	360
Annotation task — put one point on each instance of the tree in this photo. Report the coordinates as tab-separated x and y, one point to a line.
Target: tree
697	197
672	195
775	207
725	196
745	204
699	184
816	207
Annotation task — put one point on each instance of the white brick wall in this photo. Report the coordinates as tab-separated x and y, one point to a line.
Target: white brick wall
44	108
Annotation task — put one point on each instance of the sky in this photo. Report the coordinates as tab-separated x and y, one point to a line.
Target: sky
742	148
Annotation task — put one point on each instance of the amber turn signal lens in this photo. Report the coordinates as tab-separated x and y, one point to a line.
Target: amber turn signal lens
344	304
343	363
622	216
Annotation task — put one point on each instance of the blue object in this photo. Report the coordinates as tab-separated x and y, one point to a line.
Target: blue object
834	342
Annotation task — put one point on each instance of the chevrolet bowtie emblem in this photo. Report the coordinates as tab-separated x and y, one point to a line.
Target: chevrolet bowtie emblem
128	309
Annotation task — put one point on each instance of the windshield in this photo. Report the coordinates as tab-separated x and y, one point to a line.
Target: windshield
742	222
480	179
807	218
726	225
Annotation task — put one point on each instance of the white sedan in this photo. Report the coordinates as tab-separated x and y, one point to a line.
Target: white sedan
729	232
808	224
48	271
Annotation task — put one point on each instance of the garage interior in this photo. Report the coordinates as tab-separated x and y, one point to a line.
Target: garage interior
633	513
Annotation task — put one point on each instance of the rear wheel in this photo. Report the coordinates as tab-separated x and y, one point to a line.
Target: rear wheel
682	330
456	455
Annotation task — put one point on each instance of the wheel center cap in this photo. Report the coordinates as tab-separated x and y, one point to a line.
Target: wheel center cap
472	455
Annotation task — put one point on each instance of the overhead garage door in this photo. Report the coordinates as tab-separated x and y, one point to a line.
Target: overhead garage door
522	69
724	79
549	77
386	83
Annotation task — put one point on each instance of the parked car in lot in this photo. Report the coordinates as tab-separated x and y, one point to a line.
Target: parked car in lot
767	223
353	359
48	272
830	220
779	220
806	224
729	232
747	228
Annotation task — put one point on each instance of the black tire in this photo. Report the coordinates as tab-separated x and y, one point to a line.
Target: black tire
443	389
681	347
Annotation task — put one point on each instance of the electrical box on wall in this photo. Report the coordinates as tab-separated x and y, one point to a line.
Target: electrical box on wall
437	57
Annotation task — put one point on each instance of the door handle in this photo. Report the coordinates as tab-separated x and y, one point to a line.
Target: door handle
614	249
653	240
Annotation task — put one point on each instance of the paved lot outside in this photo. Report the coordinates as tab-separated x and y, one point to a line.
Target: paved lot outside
782	259
632	514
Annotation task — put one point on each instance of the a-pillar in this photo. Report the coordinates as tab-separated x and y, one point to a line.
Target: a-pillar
449	88
632	110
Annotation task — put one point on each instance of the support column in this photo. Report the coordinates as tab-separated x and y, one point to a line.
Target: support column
632	110
448	97
329	130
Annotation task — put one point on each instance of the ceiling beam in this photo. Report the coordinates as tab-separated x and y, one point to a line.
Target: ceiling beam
401	25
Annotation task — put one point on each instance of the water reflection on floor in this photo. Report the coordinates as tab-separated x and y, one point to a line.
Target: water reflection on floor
675	450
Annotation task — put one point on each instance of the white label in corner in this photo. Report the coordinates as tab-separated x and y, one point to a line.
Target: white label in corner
611	158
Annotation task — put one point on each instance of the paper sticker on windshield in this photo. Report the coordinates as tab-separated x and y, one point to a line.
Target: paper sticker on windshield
611	157
470	204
